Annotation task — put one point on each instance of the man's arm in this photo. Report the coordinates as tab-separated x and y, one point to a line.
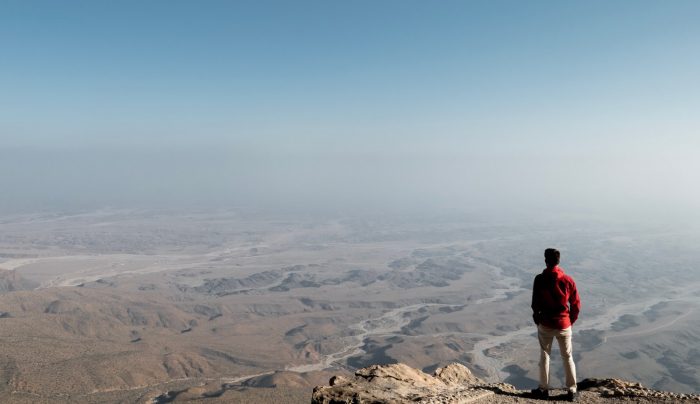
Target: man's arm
536	308
574	303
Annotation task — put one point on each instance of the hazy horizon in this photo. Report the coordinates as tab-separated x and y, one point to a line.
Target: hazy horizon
512	107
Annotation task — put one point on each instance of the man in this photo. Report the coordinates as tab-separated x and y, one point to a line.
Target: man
555	308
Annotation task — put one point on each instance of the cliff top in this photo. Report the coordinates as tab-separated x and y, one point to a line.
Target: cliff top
399	383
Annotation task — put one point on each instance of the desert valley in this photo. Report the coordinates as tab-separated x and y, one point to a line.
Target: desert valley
125	305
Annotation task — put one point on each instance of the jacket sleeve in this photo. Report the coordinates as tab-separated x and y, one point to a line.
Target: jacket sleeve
535	303
574	303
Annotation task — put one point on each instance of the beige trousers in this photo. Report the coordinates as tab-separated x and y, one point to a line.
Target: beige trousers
546	335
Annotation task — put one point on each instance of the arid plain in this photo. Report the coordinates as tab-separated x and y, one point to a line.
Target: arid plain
143	306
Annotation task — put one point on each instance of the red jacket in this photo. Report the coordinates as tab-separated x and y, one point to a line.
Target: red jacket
555	301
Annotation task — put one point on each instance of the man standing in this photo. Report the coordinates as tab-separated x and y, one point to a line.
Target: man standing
555	308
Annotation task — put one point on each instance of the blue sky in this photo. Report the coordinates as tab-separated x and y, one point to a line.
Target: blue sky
240	92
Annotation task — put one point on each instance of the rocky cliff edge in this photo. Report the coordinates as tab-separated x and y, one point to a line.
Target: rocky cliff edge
455	384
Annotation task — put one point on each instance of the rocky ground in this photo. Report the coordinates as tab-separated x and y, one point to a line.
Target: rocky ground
399	383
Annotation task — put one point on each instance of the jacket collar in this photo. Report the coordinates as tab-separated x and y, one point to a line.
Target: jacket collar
557	271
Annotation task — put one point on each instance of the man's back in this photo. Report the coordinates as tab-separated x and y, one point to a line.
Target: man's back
555	299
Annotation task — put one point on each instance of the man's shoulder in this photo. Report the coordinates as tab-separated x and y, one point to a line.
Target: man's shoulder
569	279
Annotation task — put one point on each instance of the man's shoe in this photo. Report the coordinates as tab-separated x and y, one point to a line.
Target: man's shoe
572	395
540	393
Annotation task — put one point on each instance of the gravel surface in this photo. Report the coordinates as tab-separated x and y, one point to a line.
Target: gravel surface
585	397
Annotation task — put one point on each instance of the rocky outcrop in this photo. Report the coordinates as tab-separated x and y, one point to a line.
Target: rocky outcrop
399	383
622	388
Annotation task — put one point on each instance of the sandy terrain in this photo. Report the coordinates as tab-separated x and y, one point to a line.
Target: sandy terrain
130	302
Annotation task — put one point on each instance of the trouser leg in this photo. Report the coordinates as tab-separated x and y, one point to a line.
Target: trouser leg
565	347
545	339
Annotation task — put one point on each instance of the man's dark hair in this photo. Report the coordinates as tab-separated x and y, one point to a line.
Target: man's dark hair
551	257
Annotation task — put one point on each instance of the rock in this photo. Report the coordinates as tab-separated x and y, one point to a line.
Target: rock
456	373
397	373
399	383
337	380
455	384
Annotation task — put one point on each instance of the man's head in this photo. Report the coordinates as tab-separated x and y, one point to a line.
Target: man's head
551	257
